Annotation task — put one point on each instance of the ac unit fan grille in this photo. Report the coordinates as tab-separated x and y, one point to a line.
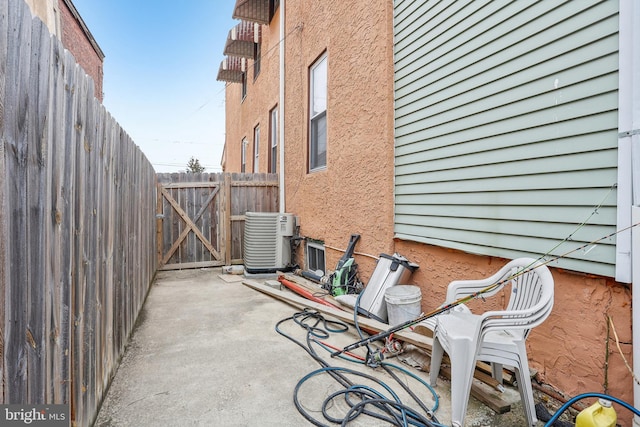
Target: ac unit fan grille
260	241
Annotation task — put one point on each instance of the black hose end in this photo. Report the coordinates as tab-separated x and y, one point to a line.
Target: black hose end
336	353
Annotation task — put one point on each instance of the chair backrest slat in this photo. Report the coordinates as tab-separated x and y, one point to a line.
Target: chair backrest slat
531	298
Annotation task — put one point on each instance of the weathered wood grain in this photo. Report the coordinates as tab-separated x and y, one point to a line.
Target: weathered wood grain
16	96
36	173
77	215
4	246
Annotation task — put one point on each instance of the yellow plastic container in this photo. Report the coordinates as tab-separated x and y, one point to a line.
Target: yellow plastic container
600	414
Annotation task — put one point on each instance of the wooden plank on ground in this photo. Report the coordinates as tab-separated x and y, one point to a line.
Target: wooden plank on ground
508	376
483	392
406	336
423	358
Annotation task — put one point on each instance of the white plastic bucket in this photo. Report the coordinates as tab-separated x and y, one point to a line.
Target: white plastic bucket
403	303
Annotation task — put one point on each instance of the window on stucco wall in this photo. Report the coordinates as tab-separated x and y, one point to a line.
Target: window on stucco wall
243	156
256	60
315	257
256	149
318	114
244	86
273	136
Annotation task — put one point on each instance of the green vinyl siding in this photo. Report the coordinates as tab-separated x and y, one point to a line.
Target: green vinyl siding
506	127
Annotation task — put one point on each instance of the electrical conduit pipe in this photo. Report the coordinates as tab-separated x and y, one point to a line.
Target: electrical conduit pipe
628	163
282	206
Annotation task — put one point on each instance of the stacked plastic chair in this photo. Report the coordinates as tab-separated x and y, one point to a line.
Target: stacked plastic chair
497	337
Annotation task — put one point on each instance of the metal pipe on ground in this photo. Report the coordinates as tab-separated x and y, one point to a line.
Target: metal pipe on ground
305	293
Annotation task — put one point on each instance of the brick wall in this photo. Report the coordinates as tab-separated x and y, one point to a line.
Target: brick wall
78	42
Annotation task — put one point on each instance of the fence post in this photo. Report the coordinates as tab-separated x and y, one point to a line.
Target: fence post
159	219
227	218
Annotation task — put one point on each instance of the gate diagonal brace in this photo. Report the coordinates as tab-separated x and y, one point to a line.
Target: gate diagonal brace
190	226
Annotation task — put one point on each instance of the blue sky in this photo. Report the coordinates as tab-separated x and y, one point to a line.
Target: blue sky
160	68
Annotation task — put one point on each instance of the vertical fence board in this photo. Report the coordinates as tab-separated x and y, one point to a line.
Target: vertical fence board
91	236
37	146
19	51
106	256
78	287
60	221
68	241
229	218
4	252
48	138
99	242
109	351
159	226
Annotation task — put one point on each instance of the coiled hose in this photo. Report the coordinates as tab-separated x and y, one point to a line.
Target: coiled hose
358	397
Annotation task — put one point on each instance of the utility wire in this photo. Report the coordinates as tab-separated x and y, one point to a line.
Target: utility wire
582	224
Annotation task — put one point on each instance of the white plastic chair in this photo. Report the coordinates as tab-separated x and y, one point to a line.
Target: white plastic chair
497	337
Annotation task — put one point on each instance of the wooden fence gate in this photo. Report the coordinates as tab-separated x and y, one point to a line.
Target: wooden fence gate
200	216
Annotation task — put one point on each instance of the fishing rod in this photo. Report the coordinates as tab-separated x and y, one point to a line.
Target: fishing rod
439	310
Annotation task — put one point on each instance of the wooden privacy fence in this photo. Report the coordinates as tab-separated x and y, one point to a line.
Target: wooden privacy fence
201	216
77	220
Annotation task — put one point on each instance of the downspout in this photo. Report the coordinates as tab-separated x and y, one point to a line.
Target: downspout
635	304
628	170
281	109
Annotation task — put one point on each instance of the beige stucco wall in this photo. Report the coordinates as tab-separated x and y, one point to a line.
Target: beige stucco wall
355	192
573	351
48	12
67	27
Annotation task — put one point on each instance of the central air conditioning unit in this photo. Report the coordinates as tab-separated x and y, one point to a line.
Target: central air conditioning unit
267	241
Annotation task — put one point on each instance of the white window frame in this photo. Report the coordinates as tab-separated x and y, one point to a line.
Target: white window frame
318	81
244	86
243	156
273	153
256	149
311	261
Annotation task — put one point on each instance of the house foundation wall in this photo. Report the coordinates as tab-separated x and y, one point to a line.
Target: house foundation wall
574	351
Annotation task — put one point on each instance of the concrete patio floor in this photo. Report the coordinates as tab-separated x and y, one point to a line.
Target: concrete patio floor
205	353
